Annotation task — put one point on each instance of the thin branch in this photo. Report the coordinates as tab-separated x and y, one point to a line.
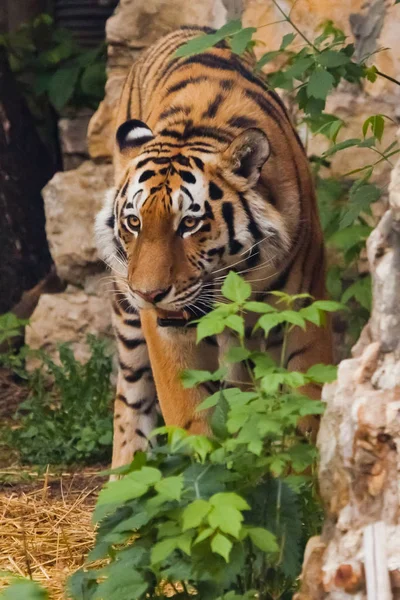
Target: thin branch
289	20
387	77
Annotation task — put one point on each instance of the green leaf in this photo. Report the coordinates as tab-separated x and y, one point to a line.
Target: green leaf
203	42
241	40
203	535
294	318
161	550
331	58
287	40
121	491
194	514
208	326
235	288
191	378
237	354
361	291
24	590
328	305
371	73
322	373
377	125
131	486
220	544
263	539
197	45
170	487
320	83
259	307
350	143
311	314
360	200
266	58
236	323
229	499
62	86
209	402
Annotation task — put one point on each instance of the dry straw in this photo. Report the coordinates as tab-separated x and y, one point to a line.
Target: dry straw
46	533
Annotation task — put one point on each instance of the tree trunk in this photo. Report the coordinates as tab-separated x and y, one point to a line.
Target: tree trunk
357	557
25	168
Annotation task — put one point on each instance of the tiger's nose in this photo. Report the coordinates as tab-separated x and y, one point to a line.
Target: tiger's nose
153	296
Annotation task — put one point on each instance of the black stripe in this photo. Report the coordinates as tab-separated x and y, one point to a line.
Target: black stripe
242	122
146	175
213	107
171	133
120	248
184	83
174	110
182	160
228	213
204	228
226	84
198	162
184	189
126	306
125	187
220	251
214	61
140	433
262	101
130	344
111	222
210	132
134	376
132	322
252	225
297	352
209	213
214	191
157	160
187	176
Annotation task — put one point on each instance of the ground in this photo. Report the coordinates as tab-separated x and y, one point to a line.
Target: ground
45	517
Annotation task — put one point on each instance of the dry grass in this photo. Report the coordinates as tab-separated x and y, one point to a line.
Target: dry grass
46	532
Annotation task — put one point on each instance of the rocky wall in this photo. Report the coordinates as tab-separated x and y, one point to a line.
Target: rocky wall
358	554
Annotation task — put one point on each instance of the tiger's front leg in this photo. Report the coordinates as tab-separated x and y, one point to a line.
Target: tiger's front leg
172	351
135	408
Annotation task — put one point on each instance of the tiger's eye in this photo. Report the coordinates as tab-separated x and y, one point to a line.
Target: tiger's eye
133	222
189	222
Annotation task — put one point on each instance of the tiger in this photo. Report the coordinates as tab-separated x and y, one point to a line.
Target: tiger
210	176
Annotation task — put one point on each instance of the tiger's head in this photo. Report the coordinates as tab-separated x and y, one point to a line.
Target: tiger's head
182	216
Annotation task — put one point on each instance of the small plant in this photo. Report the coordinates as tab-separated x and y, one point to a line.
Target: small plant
70	420
54	73
21	588
221	517
49	63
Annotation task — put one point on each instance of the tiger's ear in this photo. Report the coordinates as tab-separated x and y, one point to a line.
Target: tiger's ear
247	154
133	134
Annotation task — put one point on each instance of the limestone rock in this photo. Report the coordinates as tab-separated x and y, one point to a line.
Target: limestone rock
72	200
72	131
358	442
69	317
135	25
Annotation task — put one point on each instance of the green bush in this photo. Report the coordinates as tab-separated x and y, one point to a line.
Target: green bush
226	516
67	417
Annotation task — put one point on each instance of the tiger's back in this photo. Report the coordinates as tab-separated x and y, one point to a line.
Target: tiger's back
201	136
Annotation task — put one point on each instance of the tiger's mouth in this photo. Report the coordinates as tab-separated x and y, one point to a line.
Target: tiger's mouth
170	318
180	318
